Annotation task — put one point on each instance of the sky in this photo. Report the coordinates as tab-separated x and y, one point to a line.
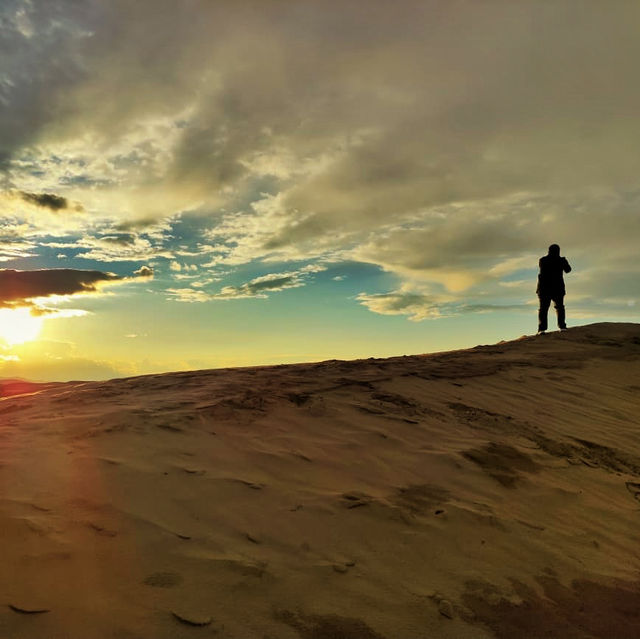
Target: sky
190	184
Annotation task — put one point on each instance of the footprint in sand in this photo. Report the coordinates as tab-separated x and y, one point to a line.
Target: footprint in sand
301	456
344	566
445	607
420	499
501	462
182	535
634	488
101	530
192	617
37	527
250	484
299	399
27	609
171	427
41	508
163	580
109	461
325	625
355	499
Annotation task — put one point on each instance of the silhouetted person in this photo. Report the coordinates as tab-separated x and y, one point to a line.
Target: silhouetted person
551	286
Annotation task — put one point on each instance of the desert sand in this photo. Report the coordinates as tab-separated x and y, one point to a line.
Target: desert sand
490	492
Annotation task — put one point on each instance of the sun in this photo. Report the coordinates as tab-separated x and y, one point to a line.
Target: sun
18	326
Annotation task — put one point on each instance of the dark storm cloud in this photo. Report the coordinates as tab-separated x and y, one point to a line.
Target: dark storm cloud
18	287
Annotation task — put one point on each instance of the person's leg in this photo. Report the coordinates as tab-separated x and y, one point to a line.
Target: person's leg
558	303
542	312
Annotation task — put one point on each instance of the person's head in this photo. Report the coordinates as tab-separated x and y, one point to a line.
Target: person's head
554	249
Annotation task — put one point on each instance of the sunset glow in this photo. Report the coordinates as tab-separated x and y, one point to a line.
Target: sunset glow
206	184
18	326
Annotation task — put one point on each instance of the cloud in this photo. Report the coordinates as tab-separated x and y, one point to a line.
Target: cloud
415	305
258	287
11	249
110	248
467	247
270	283
27	215
49	201
125	239
18	288
419	306
189	295
446	142
144	272
402	96
43	311
177	267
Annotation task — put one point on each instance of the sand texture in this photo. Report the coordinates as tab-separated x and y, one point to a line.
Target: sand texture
491	492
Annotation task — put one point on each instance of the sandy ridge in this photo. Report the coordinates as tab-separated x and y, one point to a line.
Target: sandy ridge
491	492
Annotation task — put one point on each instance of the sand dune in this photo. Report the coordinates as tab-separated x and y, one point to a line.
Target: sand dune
491	492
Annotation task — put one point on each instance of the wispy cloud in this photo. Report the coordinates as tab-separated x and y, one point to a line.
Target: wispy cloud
415	306
258	287
109	247
15	249
419	306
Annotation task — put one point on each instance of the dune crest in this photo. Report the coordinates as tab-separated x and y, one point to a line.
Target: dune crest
489	492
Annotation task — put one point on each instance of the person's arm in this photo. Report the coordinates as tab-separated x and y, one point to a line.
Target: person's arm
565	265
